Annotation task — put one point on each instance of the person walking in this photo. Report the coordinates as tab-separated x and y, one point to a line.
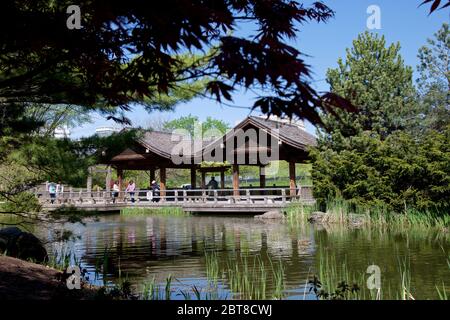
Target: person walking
52	192
155	191
131	190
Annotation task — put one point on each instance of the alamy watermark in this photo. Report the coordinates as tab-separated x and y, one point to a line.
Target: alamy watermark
374	280
74	279
374	19
73	22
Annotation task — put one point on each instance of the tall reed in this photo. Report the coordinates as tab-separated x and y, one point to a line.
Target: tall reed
167	211
247	277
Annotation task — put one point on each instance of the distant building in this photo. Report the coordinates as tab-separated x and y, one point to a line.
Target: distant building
106	131
298	123
62	133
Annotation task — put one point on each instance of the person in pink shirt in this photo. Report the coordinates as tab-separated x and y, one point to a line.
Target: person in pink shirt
131	189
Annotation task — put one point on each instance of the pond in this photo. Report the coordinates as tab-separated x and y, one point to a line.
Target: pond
241	257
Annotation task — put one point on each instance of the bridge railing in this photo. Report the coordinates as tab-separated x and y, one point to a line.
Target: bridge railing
178	196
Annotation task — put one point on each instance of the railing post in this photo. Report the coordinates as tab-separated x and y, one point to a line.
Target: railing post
176	196
80	194
247	194
215	196
71	195
184	196
283	195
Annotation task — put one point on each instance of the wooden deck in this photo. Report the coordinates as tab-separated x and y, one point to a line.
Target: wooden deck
212	201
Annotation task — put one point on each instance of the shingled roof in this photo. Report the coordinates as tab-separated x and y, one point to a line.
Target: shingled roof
163	143
290	133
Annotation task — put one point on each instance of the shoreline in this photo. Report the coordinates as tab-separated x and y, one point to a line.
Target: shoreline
23	280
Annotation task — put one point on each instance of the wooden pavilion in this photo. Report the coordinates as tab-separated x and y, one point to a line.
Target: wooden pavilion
255	141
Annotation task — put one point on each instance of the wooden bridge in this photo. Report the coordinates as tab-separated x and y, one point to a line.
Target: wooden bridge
198	200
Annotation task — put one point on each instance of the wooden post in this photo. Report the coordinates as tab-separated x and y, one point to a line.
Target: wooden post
162	175
292	184
236	180
71	195
89	182
120	179
108	182
152	175
203	179
193	178
262	177
222	180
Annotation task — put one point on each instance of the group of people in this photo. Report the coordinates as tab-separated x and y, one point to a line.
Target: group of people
152	195
130	189
55	190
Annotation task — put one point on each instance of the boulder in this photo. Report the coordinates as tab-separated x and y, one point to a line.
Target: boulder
271	215
23	245
353	220
317	217
357	220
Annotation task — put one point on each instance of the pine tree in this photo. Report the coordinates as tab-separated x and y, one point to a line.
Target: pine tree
371	158
434	80
375	79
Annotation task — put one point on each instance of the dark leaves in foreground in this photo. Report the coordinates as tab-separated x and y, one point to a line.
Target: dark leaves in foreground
128	51
343	290
435	4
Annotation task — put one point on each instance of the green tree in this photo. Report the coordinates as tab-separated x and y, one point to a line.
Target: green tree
189	123
371	158
434	80
374	78
398	172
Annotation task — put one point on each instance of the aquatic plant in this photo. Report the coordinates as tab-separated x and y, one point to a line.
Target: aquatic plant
169	211
339	211
212	267
247	277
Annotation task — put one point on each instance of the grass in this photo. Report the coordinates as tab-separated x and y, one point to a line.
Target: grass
62	258
212	267
168	211
443	294
248	277
342	212
332	277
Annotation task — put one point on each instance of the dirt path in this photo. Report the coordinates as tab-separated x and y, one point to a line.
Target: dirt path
22	280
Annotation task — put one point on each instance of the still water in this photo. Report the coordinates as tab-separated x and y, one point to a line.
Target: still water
140	248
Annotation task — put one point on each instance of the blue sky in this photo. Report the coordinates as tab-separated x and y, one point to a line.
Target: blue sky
401	21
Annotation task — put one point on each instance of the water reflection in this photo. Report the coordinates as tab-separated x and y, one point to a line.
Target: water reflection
143	247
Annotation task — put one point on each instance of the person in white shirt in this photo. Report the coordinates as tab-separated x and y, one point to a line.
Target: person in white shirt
116	191
59	191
